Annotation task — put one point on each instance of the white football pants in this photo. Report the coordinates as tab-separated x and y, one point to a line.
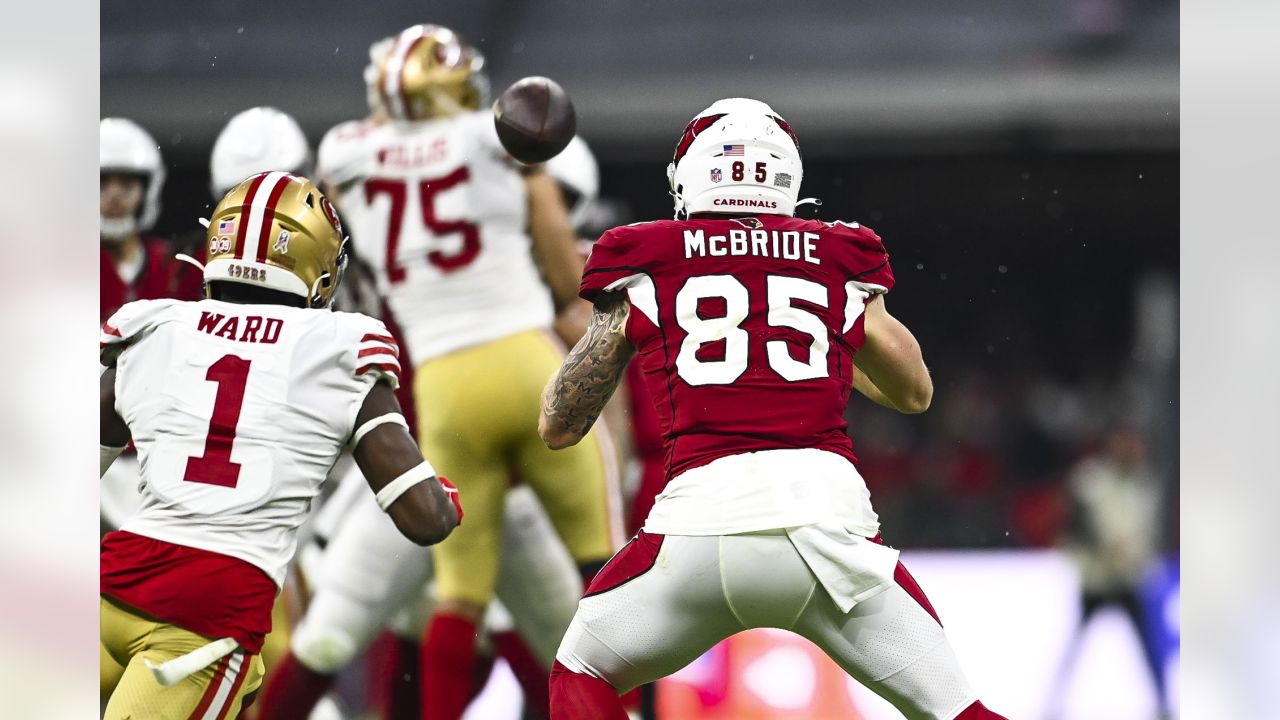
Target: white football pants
699	590
370	577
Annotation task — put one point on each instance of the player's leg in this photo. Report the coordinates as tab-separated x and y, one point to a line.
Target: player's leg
403	688
367	572
109	673
1131	603
578	486
466	424
654	608
894	644
216	691
537	580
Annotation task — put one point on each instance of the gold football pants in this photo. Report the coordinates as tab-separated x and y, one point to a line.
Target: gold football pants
478	425
215	692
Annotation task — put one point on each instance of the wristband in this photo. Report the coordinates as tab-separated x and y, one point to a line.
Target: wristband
401	485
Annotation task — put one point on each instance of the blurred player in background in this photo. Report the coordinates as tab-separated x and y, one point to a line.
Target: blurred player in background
461	240
368	576
239	404
131	171
1114	538
260	139
752	327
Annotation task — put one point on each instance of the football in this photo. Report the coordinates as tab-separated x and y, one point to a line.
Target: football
535	119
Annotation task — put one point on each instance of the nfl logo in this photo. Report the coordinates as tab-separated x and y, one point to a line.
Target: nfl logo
282	242
716	175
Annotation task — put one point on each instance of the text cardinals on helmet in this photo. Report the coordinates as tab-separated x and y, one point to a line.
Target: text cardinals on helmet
737	156
124	147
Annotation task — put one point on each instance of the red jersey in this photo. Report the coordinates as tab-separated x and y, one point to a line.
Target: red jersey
745	327
156	280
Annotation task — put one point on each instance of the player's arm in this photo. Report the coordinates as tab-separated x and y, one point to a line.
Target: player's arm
113	433
553	240
890	360
406	485
579	390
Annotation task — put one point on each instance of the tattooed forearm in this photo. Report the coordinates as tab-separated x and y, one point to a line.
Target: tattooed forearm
578	392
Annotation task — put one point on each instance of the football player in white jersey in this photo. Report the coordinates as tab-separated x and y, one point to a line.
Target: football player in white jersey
238	405
474	256
256	140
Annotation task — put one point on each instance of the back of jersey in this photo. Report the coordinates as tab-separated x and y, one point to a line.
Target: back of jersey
745	328
238	412
439	212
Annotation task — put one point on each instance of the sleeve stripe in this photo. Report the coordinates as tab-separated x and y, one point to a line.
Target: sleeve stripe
378	350
390	369
379	338
381	359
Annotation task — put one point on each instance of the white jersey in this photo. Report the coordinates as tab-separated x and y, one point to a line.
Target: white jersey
238	412
439	212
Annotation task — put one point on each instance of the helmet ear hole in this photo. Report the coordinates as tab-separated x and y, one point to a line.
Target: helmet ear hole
311	200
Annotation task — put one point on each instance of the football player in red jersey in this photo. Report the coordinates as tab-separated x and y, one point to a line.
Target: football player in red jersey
134	266
752	327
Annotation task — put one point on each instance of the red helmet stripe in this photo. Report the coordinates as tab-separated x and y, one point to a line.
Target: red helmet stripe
242	226
404	99
786	127
268	213
691	131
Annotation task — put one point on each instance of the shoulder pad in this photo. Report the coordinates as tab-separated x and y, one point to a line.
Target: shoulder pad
340	155
130	322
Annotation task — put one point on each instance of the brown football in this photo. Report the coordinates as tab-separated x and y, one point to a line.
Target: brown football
535	119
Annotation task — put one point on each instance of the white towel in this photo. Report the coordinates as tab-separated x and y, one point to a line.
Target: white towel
850	567
183	666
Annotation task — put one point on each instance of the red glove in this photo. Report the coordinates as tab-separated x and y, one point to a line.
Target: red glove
451	491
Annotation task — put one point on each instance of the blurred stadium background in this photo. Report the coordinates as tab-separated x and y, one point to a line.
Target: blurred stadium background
1020	160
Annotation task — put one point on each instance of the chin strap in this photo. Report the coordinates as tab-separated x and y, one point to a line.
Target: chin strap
116	229
188	259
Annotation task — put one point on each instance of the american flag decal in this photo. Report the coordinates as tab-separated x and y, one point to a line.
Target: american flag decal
227	227
732	150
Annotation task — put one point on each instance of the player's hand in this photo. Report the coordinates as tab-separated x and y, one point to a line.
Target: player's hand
451	491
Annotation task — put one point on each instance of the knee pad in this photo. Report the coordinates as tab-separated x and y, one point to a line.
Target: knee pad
325	650
334	630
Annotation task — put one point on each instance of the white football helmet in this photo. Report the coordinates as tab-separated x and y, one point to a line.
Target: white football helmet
373	71
575	168
124	147
260	139
737	156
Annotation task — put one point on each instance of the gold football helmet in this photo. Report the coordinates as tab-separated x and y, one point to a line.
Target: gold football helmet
429	72
277	230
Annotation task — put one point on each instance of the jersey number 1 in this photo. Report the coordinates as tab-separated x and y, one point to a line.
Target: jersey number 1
214	467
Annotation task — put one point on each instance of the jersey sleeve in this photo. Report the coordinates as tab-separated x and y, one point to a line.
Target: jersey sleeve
377	355
612	264
127	325
340	159
865	260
